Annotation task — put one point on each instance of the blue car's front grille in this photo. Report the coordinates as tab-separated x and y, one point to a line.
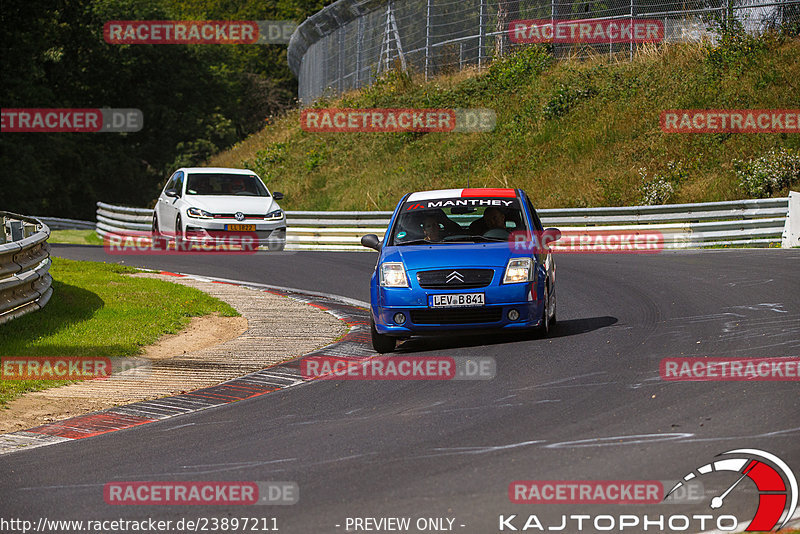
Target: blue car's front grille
457	315
455	278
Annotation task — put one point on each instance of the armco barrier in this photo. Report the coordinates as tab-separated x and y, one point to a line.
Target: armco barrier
24	265
751	223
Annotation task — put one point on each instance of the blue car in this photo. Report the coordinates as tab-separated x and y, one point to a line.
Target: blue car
461	260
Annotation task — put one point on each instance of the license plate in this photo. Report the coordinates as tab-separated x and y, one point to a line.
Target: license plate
456	300
240	227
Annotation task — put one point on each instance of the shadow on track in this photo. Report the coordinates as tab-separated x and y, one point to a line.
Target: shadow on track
471	338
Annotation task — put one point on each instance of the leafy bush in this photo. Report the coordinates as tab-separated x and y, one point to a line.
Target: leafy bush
566	98
266	160
514	69
735	50
314	159
660	188
770	173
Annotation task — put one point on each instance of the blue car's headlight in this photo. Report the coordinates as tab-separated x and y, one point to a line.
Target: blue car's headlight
518	270
276	215
393	274
197	213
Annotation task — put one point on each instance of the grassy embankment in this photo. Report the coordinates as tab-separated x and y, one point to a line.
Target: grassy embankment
95	311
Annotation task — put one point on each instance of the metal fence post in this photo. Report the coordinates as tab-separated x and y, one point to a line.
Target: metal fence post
481	32
631	42
359	47
427	38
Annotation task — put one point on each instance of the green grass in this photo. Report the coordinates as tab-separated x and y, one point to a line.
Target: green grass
570	133
75	237
95	311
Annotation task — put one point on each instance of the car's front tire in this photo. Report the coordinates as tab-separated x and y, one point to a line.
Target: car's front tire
380	342
276	246
159	242
179	240
546	324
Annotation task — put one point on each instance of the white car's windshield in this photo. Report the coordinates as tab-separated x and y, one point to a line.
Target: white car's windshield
225	184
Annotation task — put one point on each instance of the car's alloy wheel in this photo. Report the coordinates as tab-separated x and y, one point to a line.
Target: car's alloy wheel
380	342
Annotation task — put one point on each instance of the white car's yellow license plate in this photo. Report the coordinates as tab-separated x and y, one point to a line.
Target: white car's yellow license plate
456	300
240	227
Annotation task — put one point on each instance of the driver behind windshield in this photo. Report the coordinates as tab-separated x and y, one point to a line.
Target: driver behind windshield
431	228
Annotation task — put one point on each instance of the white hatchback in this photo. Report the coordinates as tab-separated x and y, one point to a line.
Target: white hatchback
199	200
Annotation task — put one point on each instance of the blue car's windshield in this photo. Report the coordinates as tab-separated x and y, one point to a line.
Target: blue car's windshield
457	220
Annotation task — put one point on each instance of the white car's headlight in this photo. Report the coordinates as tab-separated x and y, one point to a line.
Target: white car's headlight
276	215
393	274
197	213
518	270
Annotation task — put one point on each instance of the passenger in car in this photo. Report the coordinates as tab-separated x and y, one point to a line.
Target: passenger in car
492	218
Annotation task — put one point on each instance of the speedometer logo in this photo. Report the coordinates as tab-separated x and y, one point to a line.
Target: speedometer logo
776	485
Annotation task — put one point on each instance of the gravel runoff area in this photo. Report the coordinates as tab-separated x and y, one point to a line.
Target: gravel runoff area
277	329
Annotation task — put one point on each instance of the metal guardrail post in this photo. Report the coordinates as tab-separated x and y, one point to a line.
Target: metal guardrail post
16	231
791	229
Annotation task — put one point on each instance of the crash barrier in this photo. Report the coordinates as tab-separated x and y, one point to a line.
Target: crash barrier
749	223
56	223
24	265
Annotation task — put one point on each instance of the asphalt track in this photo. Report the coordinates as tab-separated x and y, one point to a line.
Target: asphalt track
585	404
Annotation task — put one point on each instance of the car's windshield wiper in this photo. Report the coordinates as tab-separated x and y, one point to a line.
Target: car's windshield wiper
415	242
475	239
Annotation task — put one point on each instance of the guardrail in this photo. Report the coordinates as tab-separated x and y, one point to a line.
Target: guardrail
751	223
24	265
57	223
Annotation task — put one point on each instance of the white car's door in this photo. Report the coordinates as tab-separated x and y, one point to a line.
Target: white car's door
167	206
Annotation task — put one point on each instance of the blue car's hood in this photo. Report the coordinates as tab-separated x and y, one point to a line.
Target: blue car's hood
450	255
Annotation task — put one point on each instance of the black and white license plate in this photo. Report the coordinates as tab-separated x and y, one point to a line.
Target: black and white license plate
456	300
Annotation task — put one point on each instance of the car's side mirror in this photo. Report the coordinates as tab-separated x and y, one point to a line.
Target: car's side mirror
171	193
551	234
277	195
371	241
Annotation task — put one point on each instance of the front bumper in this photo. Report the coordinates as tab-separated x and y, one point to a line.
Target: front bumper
265	232
420	319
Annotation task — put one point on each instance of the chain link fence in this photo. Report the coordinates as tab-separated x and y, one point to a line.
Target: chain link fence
350	42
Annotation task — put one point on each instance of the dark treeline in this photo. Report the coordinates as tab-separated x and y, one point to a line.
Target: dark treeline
196	99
